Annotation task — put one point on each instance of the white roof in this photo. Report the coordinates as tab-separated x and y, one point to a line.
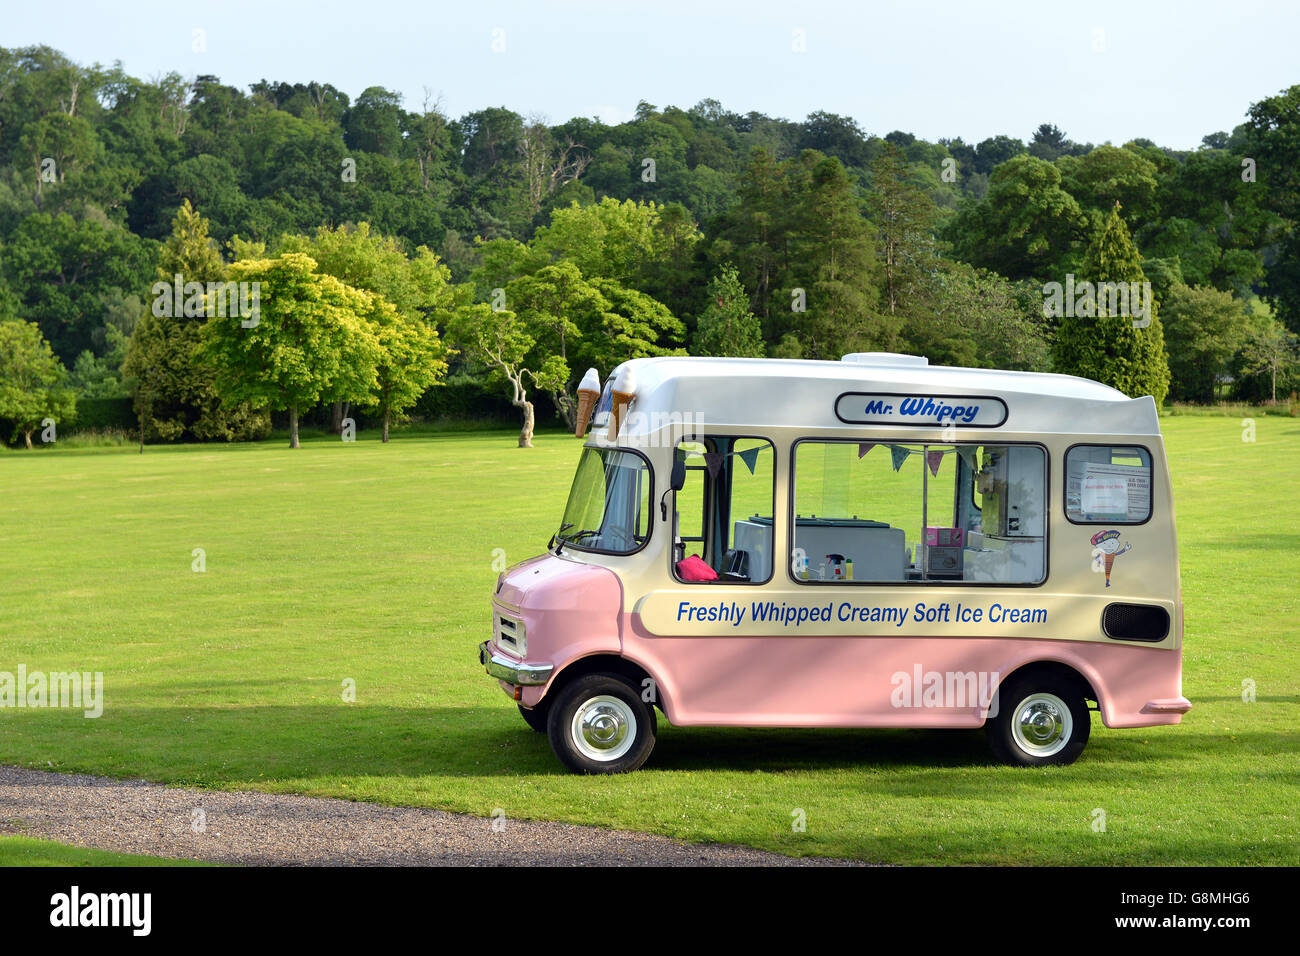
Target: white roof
803	393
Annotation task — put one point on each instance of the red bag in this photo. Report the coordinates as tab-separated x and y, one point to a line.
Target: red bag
694	569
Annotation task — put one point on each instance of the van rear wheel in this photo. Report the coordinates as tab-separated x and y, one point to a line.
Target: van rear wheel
1042	721
600	724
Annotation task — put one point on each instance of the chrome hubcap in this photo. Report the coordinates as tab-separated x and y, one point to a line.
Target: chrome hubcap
1042	725
603	728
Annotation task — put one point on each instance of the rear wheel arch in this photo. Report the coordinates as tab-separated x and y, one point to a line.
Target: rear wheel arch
1057	668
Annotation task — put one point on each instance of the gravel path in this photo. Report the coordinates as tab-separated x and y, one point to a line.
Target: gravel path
134	816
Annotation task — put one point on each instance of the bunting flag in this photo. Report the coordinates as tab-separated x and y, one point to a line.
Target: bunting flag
750	457
934	459
899	455
713	462
968	455
864	447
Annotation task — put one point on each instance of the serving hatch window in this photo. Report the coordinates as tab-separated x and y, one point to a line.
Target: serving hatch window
917	513
1107	484
609	503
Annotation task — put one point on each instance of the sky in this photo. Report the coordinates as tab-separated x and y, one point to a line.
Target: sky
1102	71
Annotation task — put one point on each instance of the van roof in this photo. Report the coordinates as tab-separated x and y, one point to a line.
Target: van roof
803	392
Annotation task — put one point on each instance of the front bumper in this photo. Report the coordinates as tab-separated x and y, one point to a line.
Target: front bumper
513	672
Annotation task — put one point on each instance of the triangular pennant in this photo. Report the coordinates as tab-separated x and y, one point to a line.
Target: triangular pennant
713	462
864	447
899	455
934	459
750	457
968	455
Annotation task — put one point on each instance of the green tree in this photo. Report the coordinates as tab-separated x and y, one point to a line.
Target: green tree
60	268
1274	143
727	326
1270	348
904	217
1108	347
586	323
1110	175
174	391
503	342
31	380
1204	328
980	319
1027	226
833	259
612	239
419	290
314	339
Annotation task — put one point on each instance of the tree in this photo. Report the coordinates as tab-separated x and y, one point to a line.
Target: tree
503	342
1027	226
904	217
174	392
727	327
973	317
833	258
1105	346
1270	348
413	359
60	268
1274	143
616	240
31	380
1110	175
586	323
418	289
314	339
1204	328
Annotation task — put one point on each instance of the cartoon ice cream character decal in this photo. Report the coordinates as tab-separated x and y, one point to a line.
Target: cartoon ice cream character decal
1105	549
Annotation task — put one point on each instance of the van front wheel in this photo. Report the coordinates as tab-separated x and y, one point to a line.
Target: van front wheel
1041	721
600	724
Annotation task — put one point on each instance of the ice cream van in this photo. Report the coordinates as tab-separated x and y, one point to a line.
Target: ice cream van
873	542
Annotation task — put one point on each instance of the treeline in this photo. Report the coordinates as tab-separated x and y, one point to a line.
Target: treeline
561	245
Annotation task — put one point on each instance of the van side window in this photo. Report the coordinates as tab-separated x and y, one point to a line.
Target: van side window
1107	484
872	512
723	515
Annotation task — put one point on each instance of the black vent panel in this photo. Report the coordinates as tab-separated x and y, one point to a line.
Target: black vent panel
1135	622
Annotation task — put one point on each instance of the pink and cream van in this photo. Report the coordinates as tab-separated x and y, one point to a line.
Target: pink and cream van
866	543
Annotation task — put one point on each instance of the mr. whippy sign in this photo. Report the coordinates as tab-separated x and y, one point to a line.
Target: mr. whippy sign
887	408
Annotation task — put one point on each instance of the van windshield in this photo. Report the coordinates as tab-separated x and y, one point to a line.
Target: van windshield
609	503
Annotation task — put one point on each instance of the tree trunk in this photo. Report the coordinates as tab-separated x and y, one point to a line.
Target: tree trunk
27	437
293	427
567	409
336	418
526	434
385	426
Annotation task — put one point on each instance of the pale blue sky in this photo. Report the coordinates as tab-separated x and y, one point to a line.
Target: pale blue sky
1101	71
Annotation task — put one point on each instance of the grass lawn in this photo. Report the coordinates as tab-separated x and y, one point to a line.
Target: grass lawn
24	851
370	563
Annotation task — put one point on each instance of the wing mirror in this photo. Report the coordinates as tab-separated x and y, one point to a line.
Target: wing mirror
676	482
